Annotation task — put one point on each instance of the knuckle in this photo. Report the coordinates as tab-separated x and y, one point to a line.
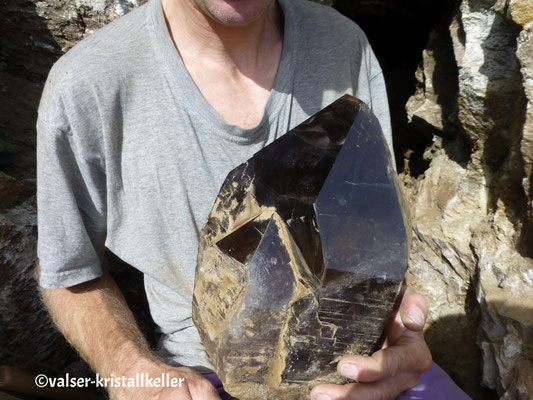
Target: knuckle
207	387
380	394
424	301
427	360
418	298
393	361
423	359
202	384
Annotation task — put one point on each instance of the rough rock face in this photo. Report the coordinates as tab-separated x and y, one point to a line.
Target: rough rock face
470	188
472	208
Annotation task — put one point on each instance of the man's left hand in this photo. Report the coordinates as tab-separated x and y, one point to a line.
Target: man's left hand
397	366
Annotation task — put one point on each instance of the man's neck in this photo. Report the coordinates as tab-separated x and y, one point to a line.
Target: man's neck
237	46
234	66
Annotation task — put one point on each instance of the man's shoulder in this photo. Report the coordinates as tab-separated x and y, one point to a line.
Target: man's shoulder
107	52
96	68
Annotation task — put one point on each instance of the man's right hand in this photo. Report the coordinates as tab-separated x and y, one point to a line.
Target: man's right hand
194	385
96	320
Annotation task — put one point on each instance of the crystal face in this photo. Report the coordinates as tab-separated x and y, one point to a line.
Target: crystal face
302	257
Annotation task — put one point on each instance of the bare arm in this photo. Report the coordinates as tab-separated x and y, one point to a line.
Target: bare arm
96	320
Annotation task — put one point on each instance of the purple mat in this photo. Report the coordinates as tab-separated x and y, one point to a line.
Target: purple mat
434	384
215	380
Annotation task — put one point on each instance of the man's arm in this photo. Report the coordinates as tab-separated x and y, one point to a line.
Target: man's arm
96	320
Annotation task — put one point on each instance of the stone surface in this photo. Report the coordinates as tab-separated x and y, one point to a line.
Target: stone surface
302	256
472	207
521	11
13	191
28	339
20	308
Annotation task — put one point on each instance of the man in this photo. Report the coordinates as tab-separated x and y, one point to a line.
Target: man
138	127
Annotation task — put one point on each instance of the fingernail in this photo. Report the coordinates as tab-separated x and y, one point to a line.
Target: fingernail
322	396
415	315
349	370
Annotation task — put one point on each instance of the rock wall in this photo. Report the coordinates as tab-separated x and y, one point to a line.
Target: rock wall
472	207
460	80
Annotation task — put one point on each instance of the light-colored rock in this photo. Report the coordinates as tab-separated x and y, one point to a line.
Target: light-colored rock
505	286
521	11
69	21
472	209
525	57
432	109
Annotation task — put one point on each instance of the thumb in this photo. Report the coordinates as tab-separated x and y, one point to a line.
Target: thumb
413	310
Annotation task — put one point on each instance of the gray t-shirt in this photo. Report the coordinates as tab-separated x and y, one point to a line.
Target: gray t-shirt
131	155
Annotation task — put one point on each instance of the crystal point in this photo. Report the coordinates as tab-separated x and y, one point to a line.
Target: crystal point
302	257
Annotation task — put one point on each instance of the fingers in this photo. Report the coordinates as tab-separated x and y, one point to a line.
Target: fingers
394	368
197	386
203	389
387	389
410	354
413	310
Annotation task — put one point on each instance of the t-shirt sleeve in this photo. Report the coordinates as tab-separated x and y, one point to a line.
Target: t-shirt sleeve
71	201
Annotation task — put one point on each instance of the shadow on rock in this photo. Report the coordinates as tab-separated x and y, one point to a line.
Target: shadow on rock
454	349
29	340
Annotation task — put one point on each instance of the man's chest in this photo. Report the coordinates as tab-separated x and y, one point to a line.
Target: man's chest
163	175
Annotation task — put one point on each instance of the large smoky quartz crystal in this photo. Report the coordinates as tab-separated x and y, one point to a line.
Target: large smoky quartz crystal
302	257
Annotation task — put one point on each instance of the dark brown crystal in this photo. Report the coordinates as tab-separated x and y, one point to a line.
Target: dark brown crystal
302	257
